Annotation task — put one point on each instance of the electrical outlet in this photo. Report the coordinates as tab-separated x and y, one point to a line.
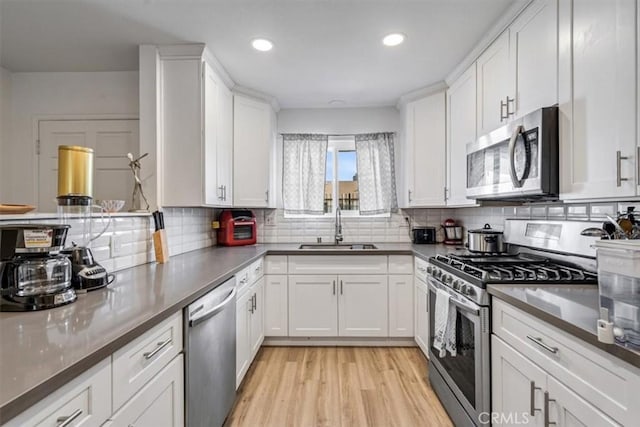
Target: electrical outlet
270	218
115	245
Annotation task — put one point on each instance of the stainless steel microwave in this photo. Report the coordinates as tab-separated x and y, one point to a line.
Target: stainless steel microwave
518	161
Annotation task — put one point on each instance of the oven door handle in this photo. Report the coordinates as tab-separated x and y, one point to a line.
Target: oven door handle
517	182
463	306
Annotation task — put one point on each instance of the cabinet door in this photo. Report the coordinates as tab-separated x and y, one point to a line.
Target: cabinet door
256	328
182	157
422	316
363	306
567	409
425	151
517	386
224	146
534	54
159	403
461	130
251	152
401	305
494	84
212	195
244	305
597	88
275	306
313	306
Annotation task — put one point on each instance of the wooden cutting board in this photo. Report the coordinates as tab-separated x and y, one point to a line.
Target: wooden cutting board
6	209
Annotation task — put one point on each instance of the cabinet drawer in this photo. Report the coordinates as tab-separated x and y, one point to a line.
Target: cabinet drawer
608	383
87	398
421	269
400	264
243	278
337	264
140	360
275	264
256	270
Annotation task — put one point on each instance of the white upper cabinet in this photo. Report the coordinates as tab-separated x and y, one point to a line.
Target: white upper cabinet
597	91
196	131
424	156
534	57
461	129
518	73
495	97
252	148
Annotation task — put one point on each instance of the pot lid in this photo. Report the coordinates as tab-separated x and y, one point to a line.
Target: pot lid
486	230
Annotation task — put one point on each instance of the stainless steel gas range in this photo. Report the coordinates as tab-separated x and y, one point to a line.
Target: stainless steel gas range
541	252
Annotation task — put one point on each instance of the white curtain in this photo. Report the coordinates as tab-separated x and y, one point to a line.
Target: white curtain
376	173
303	179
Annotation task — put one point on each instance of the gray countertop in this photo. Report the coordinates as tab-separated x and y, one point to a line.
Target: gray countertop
40	351
572	308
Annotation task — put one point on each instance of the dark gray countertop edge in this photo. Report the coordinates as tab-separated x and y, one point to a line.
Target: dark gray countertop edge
628	355
21	403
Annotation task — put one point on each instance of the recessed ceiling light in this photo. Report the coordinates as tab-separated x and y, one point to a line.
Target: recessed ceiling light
263	45
337	102
393	39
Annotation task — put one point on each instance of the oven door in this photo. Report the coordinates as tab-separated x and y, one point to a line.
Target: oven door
466	374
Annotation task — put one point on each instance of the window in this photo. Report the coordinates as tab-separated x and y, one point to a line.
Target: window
341	187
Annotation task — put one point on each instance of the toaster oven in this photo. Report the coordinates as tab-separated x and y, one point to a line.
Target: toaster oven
237	227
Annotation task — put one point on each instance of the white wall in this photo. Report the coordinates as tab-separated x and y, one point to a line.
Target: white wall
339	120
5	126
57	95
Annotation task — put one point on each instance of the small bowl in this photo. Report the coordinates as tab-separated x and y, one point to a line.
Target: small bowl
112	205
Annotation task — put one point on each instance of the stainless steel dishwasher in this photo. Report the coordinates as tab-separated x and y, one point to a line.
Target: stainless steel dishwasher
210	362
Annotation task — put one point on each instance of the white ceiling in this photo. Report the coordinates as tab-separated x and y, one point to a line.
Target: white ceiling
324	49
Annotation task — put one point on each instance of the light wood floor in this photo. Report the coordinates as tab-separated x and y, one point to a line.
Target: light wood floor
337	386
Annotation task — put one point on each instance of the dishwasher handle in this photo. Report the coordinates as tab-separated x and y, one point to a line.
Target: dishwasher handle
215	310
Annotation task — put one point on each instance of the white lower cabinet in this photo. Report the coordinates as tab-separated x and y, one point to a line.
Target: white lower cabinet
249	323
313	306
86	399
362	306
159	403
422	315
275	305
401	305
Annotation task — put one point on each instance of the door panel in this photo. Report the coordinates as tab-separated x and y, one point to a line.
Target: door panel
363	305
567	409
313	306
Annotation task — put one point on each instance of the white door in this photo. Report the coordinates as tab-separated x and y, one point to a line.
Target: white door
275	306
251	152
534	53
495	84
111	141
313	306
362	306
159	403
422	316
567	409
597	88
425	132
401	305
244	306
517	386
461	130
256	328
212	192
224	145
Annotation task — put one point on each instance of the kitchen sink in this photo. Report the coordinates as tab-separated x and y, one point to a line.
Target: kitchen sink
341	246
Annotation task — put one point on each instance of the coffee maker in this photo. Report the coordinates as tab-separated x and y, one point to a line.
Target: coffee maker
75	206
33	275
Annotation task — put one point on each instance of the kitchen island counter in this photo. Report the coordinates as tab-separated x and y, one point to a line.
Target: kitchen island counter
41	351
572	308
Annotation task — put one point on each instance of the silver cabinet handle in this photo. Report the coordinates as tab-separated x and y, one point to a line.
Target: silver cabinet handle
221	196
539	341
503	107
619	159
334	287
409	196
511	101
426	302
267	194
341	288
532	404
547	423
66	421
254	300
158	349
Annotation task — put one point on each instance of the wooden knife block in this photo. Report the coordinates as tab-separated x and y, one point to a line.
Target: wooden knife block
160	246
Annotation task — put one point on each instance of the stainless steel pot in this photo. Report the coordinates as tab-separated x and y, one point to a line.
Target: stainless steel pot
486	240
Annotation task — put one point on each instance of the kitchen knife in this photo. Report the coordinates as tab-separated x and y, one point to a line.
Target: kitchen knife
156	220
161	220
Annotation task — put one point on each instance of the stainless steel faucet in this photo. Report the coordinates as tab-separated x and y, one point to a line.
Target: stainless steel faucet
338	236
